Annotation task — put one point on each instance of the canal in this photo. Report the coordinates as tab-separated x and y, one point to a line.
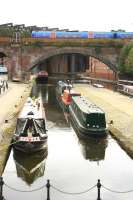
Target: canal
73	165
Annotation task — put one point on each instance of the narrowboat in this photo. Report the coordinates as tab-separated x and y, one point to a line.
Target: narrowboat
29	168
66	99
126	89
61	86
88	118
42	77
30	133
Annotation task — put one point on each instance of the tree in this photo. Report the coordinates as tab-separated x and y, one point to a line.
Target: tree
125	59
129	62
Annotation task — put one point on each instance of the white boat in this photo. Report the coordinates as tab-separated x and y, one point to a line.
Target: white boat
98	85
126	89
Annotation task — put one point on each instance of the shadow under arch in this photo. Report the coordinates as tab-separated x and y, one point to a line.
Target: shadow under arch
73	50
2	55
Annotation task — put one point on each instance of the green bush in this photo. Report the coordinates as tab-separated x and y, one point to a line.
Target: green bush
126	59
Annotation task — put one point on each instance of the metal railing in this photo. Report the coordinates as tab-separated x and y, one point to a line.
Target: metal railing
49	186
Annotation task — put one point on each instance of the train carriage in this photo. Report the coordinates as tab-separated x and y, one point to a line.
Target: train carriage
81	34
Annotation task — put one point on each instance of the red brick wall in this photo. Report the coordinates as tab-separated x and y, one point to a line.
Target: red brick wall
98	69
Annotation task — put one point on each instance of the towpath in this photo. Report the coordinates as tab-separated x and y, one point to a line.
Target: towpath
10	99
11	102
118	108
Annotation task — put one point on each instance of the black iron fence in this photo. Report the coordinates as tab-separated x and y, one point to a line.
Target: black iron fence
49	186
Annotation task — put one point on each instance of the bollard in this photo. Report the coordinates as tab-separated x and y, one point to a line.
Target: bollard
1	188
48	189
6	85
3	88
98	189
6	120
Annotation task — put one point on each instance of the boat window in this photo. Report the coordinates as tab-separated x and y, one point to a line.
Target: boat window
39	125
21	126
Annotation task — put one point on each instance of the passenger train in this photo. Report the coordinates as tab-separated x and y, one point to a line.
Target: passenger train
81	34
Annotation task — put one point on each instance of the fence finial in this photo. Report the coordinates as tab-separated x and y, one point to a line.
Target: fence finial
1	187
98	189
48	189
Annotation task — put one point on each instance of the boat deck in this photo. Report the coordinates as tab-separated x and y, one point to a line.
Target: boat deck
32	108
86	106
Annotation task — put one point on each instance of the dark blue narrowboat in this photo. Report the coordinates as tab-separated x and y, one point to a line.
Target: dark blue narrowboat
88	118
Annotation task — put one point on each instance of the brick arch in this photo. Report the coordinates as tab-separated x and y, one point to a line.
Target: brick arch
112	64
2	54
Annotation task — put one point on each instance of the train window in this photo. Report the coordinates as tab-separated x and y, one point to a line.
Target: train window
115	35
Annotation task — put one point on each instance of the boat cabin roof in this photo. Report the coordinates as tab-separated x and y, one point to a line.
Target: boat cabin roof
32	109
85	105
72	92
63	84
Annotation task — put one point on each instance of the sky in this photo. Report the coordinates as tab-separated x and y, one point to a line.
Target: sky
82	15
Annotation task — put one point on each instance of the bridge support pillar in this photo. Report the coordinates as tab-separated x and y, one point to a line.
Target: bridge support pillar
72	68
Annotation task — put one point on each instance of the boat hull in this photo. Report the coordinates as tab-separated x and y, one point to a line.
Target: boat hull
31	134
41	80
96	132
62	105
30	147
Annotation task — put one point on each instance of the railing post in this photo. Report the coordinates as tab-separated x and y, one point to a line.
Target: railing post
1	187
98	189
48	189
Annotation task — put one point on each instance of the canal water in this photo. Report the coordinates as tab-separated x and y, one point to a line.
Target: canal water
72	164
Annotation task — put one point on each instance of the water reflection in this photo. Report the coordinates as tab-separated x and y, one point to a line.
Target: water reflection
44	91
54	115
93	149
30	167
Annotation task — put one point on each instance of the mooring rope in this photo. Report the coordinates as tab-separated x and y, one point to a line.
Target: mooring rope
5	146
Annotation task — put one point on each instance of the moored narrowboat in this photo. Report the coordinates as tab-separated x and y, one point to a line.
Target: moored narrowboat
42	77
66	99
31	134
88	118
60	87
126	89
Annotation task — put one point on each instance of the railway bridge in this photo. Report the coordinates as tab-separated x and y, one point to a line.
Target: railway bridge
58	56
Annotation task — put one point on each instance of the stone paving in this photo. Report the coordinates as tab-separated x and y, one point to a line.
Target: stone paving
11	102
118	108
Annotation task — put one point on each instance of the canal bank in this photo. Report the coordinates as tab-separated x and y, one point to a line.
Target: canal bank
118	109
11	103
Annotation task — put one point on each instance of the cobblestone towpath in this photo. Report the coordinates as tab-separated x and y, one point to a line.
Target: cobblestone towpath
11	102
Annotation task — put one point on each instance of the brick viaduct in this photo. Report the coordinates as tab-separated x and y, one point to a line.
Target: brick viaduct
24	58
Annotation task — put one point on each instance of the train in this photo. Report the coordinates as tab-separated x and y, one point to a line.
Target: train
82	34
